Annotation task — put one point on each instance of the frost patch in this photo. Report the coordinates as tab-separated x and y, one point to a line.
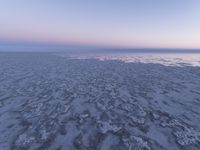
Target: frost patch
137	120
24	140
136	143
172	123
135	112
133	109
44	135
188	136
108	126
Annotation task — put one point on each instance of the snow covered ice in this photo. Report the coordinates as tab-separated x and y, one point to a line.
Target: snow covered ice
52	102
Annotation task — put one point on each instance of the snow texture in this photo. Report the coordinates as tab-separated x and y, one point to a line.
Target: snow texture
60	103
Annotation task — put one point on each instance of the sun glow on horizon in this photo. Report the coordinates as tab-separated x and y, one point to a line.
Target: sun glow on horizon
155	24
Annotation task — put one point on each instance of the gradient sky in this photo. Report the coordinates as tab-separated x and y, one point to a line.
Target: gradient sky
117	23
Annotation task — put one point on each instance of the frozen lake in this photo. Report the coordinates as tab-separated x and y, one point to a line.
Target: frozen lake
99	101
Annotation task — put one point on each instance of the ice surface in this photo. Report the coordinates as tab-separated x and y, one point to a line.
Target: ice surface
58	103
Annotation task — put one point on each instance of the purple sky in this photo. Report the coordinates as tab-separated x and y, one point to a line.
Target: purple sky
116	23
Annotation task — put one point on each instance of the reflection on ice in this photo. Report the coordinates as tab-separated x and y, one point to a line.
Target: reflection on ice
168	59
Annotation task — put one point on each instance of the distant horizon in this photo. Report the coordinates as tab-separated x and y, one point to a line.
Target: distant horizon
38	45
15	46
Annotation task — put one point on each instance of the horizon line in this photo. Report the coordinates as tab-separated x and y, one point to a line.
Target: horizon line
38	44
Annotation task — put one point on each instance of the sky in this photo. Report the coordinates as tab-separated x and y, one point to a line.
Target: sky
106	23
